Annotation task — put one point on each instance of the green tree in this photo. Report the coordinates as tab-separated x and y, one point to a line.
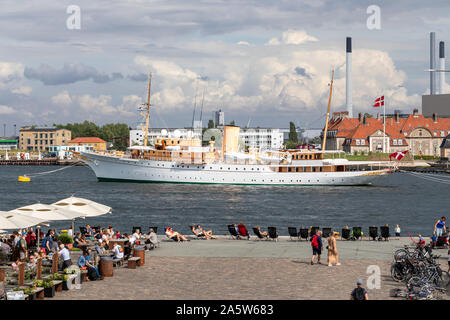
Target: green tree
293	136
368	115
210	124
232	123
315	140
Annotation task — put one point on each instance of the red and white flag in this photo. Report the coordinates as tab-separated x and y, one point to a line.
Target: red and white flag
379	102
398	155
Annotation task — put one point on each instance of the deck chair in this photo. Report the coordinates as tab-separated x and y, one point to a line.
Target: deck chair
345	234
272	231
326	232
293	232
303	234
242	229
357	233
154	229
232	231
313	231
258	234
385	232
373	232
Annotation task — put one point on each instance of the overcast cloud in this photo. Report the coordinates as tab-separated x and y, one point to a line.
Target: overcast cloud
264	61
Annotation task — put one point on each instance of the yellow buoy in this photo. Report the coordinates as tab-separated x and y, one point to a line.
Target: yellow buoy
24	179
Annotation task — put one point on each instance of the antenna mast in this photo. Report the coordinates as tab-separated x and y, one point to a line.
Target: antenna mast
324	142
147	105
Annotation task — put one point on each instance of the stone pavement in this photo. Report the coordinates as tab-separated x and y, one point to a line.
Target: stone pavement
231	269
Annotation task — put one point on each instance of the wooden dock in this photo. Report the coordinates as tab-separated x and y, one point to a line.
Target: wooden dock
42	162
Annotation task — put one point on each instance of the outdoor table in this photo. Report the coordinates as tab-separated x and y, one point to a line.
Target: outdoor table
106	266
140	253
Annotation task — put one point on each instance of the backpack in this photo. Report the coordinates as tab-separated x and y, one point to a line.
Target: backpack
359	294
92	275
314	242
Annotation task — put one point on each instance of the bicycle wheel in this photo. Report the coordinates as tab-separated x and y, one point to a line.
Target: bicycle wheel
396	273
401	255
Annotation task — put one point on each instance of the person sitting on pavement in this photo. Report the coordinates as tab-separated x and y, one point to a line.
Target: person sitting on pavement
176	236
359	293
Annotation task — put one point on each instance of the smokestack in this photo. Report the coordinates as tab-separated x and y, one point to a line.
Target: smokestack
441	67
348	77
432	62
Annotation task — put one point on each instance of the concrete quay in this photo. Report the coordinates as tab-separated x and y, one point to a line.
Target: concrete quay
241	269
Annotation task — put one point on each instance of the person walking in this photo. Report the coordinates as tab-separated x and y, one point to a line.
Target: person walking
316	244
333	256
439	227
359	293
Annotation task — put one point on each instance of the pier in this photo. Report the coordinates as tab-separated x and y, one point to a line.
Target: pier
42	162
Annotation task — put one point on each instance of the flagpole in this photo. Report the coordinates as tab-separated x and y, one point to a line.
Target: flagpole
384	126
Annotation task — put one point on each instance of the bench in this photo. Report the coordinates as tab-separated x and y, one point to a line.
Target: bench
117	262
133	262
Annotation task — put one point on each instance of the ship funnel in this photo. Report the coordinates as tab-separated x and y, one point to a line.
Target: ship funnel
441	67
432	62
230	139
348	77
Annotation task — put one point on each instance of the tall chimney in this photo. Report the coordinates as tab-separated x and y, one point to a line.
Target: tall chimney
348	77
432	62
441	67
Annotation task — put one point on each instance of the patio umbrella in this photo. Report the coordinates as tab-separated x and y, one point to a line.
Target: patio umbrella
48	213
87	207
14	220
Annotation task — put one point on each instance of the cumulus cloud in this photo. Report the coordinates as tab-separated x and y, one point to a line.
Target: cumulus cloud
69	73
10	71
294	37
62	99
5	110
23	90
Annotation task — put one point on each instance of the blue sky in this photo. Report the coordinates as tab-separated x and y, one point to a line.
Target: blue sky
264	61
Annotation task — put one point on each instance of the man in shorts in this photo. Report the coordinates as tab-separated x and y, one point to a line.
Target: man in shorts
316	244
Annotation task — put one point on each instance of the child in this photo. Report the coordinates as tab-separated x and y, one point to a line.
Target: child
433	240
397	231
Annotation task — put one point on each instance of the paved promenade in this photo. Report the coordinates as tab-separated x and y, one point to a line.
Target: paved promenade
241	269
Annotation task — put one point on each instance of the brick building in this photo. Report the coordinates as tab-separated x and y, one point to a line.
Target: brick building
413	132
41	138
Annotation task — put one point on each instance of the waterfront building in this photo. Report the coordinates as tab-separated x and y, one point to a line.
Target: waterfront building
93	142
42	138
445	148
412	132
9	143
65	151
261	138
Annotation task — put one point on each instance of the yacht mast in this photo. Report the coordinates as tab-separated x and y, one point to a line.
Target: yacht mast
147	105
324	142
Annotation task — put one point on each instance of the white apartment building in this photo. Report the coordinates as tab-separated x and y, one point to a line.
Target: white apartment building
137	135
262	138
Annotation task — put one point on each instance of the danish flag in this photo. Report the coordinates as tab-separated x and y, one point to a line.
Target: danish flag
398	155
379	102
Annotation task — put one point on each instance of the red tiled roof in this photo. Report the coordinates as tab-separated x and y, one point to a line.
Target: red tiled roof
87	140
354	129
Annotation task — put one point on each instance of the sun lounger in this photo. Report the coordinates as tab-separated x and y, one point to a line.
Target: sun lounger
272	231
293	233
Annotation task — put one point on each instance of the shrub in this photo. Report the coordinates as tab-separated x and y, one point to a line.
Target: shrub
65	238
74	249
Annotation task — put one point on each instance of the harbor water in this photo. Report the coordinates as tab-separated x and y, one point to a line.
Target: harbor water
413	203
